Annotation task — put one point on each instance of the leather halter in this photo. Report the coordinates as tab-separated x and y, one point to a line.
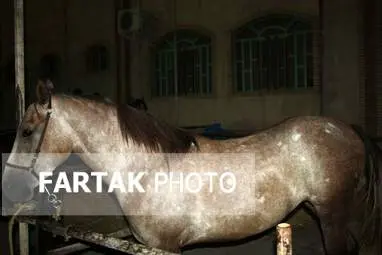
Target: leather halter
52	198
31	168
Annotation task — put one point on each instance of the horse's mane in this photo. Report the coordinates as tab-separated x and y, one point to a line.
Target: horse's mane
144	129
153	133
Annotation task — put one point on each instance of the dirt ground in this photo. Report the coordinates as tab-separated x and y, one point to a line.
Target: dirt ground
306	240
306	234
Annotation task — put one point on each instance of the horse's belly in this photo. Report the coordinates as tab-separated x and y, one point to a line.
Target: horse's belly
173	220
175	231
233	227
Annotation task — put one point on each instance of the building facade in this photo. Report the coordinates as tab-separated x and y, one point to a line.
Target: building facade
246	64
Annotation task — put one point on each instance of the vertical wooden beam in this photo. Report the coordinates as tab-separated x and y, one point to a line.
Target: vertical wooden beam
118	57
370	39
19	58
176	92
321	53
126	65
66	72
123	57
24	238
284	239
20	96
378	62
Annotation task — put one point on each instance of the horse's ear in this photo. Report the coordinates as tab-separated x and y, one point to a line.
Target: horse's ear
43	91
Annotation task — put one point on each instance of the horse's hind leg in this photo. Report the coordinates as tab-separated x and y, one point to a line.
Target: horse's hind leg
334	229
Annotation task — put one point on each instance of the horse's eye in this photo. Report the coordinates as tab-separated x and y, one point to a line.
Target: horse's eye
26	132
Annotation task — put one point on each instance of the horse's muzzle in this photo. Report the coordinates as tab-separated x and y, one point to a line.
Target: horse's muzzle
18	185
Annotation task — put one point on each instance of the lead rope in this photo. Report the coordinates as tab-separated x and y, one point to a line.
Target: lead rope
56	204
52	198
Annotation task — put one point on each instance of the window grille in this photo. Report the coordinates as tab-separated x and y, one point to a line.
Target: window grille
193	69
273	52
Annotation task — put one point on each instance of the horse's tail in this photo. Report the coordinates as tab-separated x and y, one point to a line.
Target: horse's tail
372	194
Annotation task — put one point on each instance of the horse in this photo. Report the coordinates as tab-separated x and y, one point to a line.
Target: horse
314	161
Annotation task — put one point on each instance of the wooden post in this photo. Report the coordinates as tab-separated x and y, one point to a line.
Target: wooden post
284	239
20	96
24	238
19	58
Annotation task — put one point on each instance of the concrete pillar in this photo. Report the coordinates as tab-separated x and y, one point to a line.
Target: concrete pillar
341	65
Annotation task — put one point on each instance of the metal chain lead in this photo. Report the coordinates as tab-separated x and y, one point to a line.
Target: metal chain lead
52	198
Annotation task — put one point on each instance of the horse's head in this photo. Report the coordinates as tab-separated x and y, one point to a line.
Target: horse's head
41	144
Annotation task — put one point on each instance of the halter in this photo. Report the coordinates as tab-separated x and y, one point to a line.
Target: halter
52	198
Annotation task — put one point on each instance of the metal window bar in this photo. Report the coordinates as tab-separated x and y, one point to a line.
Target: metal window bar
295	63
170	73
242	64
175	49
304	59
260	68
272	53
208	84
199	79
166	68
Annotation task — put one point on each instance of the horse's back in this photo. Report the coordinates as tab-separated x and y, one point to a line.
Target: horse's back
330	150
315	150
318	127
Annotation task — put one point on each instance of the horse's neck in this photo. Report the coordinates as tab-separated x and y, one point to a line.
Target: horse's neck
109	151
98	140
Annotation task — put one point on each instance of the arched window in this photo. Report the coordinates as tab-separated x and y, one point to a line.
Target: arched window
272	52
192	53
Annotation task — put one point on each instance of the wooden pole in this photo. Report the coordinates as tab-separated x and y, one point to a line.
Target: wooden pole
19	58
284	239
24	238
20	96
